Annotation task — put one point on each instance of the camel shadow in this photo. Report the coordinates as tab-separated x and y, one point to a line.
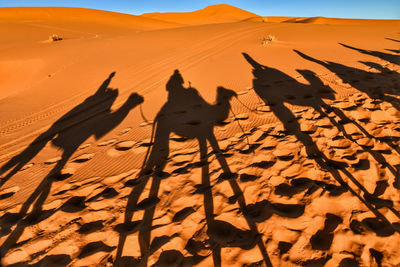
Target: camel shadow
394	59
361	79
92	117
189	116
266	77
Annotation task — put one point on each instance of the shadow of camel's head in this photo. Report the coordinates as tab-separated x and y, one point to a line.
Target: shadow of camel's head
135	99
225	94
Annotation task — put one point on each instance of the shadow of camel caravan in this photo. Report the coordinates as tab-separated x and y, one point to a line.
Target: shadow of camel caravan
274	97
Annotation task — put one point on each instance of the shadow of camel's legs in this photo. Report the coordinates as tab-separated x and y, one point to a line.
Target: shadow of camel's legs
157	159
323	162
129	211
208	198
18	162
392	100
147	223
240	198
159	150
343	117
40	195
292	125
376	155
12	239
366	203
37	209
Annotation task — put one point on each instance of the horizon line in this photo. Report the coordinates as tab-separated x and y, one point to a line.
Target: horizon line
160	12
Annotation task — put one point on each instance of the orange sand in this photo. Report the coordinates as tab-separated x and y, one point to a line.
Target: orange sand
305	168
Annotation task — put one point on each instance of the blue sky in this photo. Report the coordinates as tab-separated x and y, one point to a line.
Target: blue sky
378	9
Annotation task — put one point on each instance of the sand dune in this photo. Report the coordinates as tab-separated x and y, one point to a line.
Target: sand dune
212	14
134	141
83	16
327	21
26	24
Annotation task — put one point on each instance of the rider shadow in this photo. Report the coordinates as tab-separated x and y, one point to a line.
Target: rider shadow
275	98
394	59
364	80
288	90
92	117
100	101
188	115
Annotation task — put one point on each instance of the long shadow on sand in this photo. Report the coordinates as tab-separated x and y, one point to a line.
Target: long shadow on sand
91	117
395	59
266	77
377	85
188	115
394	40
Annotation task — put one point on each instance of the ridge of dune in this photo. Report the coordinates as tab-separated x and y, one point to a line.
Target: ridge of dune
327	21
82	15
221	13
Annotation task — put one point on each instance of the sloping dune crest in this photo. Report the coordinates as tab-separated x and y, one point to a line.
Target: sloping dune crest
328	21
212	14
82	16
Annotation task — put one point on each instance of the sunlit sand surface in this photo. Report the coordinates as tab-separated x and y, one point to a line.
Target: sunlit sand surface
210	138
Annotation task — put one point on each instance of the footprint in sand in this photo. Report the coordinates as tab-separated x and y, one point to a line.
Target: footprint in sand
227	235
284	153
85	146
93	248
241	116
323	123
8	192
108	142
365	142
27	166
264	109
65	189
64	174
247	177
183	214
322	240
125	145
121	147
124	131
107	193
147	203
176	258
55	260
380	117
52	160
308	127
146	123
91	227
371	105
74	204
128	227
146	143
83	158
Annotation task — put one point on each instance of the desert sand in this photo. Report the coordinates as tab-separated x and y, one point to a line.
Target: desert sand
179	139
